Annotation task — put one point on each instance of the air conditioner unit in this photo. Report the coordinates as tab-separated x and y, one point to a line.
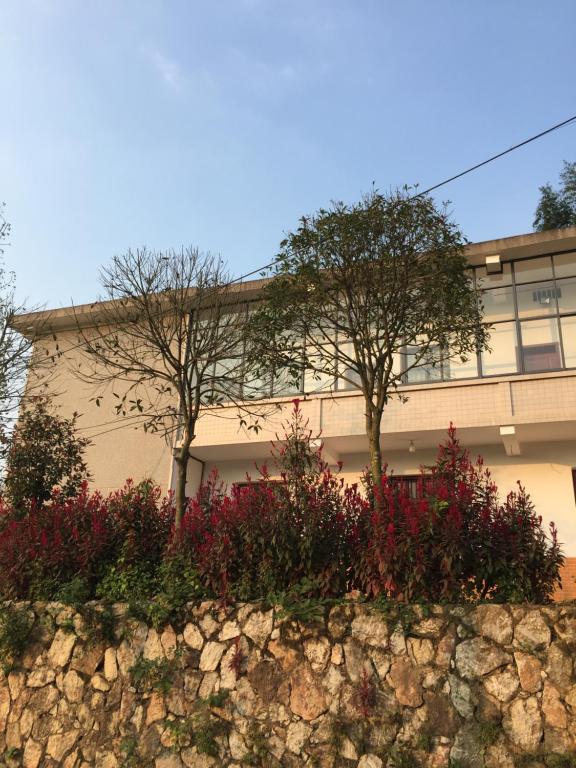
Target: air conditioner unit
493	264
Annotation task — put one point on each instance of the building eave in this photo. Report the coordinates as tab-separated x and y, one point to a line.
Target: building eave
34	324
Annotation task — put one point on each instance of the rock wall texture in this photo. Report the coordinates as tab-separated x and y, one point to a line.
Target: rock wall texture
401	686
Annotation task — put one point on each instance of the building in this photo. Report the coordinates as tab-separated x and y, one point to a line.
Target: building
516	404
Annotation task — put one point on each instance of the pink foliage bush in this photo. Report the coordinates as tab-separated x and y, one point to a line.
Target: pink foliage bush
449	538
453	539
79	537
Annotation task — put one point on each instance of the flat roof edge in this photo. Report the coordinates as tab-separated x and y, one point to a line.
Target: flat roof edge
529	244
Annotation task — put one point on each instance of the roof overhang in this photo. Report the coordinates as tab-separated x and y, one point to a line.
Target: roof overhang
507	248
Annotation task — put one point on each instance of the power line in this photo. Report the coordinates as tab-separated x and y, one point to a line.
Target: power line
263	269
500	154
260	270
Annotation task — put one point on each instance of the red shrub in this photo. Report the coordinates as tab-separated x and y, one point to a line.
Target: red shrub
262	538
268	536
80	536
446	540
452	539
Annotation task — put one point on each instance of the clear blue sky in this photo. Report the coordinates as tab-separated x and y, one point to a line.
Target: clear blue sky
219	123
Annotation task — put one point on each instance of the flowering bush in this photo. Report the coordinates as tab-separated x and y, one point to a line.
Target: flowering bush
81	536
305	533
262	539
269	535
451	539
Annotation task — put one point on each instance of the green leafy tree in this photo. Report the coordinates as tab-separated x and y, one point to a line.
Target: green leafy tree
44	451
364	294
557	207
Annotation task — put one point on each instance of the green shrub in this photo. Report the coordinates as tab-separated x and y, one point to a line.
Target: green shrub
74	592
153	674
15	627
44	451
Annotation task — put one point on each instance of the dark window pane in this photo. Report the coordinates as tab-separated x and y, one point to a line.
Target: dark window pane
540	345
408	483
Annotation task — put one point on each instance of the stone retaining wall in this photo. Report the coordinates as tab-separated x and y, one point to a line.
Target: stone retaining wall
404	686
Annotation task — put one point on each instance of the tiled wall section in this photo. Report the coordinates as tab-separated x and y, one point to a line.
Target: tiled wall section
568	591
478	404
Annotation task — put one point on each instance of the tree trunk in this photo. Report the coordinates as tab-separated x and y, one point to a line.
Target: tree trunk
182	470
373	423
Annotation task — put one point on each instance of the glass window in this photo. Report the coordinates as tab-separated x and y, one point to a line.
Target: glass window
257	388
565	264
498	304
536	299
501	358
531	270
285	383
317	382
569	340
456	369
227	378
540	345
566	294
321	352
486	280
426	369
347	349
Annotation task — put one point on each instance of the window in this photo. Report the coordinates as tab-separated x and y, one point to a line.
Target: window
568	326
530	305
531	270
458	369
484	280
566	295
565	264
502	357
410	482
536	299
532	309
498	304
427	369
347	349
285	382
540	345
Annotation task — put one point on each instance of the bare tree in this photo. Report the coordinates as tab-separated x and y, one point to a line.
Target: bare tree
169	342
16	343
5	228
366	293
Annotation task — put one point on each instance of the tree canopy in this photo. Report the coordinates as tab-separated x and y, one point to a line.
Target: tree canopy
557	207
363	294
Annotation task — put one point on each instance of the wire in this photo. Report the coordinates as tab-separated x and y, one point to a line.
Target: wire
263	269
500	154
